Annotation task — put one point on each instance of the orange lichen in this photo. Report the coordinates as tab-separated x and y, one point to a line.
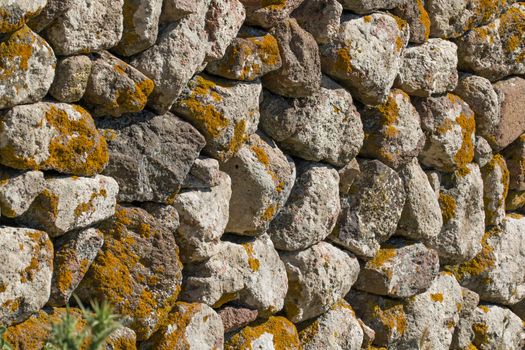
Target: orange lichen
253	262
382	256
484	308
269	213
448	206
267	49
480	334
424	18
393	318
132	99
225	298
16	51
264	159
437	297
308	334
468	127
343	62
238	139
89	207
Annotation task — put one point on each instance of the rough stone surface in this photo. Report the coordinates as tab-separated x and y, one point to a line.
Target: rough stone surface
262	178
74	254
137	270
87	26
18	189
417	17
324	127
28	67
429	68
495	188
482	151
173	10
225	112
188	326
268	14
203	174
69	203
25	273
366	55
321	18
53	9
71	78
300	73
371	210
347	175
515	158
400	269
311	211
235	318
52	136
318	277
365	6
449	125
150	155
392	131
16	13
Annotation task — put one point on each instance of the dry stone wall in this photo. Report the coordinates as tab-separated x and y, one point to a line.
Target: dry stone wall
265	174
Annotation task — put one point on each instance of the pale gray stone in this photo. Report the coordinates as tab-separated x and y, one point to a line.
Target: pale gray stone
18	190
71	78
53	9
268	14
495	188
321	18
15	13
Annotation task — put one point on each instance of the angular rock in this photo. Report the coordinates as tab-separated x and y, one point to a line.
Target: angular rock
324	127
122	338
321	18
368	335
338	328
188	326
400	269
318	277
490	327
52	136
461	202
262	178
366	55
18	190
71	78
511	123
173	10
137	271
115	88
72	203
140	26
268	14
371	210
515	158
225	112
311	211
482	151
203	174
496	272
366	6
26	266
417	17
421	217
392	131
449	125
203	218
496	50
74	254
515	201
53	9
16	14
300	73
234	318
347	175
165	214
272	334
87	26
495	188
429	68
28	67
150	155
248	57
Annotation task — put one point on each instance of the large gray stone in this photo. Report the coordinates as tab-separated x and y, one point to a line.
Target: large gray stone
16	13
18	189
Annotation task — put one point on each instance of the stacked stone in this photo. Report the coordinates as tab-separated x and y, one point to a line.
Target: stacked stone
265	174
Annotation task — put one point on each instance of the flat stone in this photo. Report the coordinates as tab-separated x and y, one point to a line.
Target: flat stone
366	6
235	318
25	273
262	178
366	55
417	17
324	127
495	188
311	211
51	11
52	136
72	203
18	189
318	277
16	14
28	67
138	271
392	131
71	78
268	14
321	18
87	26
510	125
74	253
150	155
371	210
300	73
225	112
272	334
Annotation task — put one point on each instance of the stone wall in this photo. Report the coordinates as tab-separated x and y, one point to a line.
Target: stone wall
265	174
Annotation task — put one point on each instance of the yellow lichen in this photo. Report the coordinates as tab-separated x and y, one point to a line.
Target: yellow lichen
437	297
253	262
225	298
424	18
15	52
447	203
393	318
484	308
466	153
382	256
343	62
480	334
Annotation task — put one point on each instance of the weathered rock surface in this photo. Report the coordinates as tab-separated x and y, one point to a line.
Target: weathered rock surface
495	188
311	211
150	155
515	159
324	127
392	131
511	124
365	6
347	175
371	210
203	174
318	277
173	10
16	14
74	254
417	17
25	273
262	178
482	151
268	14
18	189
300	73
71	78
69	203
27	70
225	112
52	136
235	318
429	68
87	26
366	55
49	13
449	126
138	271
321	18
